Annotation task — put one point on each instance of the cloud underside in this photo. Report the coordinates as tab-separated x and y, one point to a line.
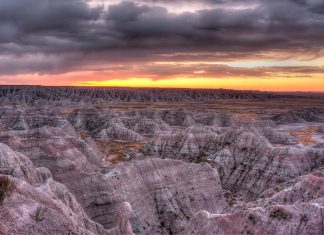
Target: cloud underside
54	37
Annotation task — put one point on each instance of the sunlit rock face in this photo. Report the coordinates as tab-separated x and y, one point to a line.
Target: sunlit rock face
88	161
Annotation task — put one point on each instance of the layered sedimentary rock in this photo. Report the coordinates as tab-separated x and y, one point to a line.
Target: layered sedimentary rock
39	95
296	219
182	170
117	132
304	115
164	194
304	189
295	206
248	165
33	203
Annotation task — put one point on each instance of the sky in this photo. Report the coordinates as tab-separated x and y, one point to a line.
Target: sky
273	45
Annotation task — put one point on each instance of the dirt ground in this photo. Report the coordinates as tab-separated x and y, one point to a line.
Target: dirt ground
114	150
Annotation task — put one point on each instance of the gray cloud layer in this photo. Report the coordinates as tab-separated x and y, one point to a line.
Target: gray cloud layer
73	34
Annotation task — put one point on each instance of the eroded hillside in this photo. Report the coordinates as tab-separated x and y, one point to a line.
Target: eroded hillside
121	161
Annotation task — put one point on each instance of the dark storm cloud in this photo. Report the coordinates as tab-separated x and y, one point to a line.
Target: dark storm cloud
313	5
268	25
134	22
46	15
43	26
135	31
218	71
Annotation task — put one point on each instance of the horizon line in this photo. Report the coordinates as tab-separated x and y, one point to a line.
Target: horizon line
171	88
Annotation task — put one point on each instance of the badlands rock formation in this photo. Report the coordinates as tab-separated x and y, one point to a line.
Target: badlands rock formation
296	207
40	95
36	204
164	194
123	161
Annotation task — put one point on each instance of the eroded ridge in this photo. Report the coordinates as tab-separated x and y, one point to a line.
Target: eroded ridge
123	161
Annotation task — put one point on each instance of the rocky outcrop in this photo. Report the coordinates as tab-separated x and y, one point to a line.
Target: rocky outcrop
39	95
164	194
17	165
39	205
248	165
117	132
304	189
296	206
300	116
297	219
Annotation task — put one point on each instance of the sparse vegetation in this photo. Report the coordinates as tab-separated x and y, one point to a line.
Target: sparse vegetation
280	214
252	218
39	214
6	187
303	218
